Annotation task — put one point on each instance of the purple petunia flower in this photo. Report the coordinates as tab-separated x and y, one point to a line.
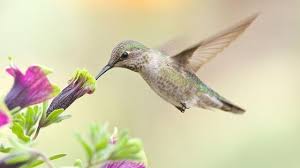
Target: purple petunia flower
123	164
82	83
4	119
31	88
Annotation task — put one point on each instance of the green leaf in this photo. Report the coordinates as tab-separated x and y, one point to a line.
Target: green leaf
61	118
39	162
134	145
45	106
35	163
20	158
102	144
52	117
44	113
31	116
94	130
35	109
125	153
15	111
19	118
18	131
31	131
58	156
123	139
88	149
36	115
101	149
54	114
4	149
78	163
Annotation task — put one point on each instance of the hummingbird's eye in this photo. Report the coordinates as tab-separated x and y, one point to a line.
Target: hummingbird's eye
124	55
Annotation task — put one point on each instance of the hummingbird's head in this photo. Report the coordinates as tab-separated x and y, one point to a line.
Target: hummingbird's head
127	54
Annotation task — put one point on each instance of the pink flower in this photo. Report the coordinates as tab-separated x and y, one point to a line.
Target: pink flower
4	118
123	164
31	88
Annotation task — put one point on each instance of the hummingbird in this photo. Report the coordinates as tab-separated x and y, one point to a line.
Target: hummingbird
170	69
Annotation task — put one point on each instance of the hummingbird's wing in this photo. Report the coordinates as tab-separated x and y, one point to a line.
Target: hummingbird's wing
196	55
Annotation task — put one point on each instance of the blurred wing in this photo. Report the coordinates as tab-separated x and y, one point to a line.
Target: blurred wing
195	56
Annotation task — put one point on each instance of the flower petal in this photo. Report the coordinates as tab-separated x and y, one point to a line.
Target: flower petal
31	88
4	118
82	83
123	164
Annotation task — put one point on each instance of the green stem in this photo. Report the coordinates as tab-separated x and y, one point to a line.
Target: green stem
91	164
43	157
36	133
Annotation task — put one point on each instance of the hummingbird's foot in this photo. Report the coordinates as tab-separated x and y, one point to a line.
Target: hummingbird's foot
181	108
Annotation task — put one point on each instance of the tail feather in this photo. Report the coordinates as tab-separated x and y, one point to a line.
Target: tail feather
216	101
229	107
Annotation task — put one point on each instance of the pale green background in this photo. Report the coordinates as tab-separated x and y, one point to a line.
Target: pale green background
260	72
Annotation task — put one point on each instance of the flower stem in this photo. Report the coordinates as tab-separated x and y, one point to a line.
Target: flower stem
43	157
36	133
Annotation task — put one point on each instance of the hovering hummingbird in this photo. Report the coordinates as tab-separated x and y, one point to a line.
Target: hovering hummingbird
170	70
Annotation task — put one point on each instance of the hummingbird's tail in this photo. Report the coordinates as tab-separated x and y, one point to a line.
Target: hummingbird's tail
214	100
229	107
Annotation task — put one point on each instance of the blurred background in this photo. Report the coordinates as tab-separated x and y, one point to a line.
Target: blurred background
259	71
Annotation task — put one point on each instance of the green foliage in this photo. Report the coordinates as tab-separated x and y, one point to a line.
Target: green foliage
23	157
78	163
22	154
32	119
40	162
100	145
127	149
103	146
4	149
17	129
54	117
25	123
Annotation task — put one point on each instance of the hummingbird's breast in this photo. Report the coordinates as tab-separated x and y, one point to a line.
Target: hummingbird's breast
175	85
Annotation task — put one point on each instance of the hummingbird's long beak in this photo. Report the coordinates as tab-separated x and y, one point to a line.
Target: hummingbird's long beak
105	69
